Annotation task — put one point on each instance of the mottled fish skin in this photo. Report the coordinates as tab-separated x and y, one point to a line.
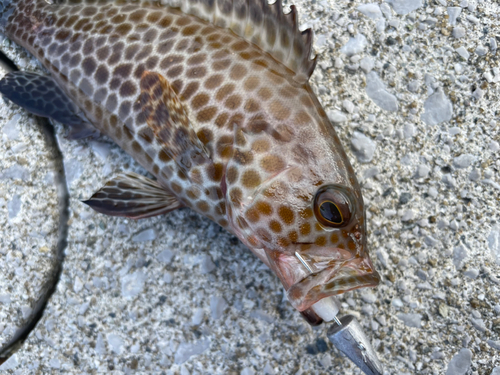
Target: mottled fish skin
253	146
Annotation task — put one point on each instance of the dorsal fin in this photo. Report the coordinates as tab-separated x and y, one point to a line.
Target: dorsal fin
256	21
263	24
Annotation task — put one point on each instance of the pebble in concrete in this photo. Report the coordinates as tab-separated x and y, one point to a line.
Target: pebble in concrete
377	92
460	363
438	108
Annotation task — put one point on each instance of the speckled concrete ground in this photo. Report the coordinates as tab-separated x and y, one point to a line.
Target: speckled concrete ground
413	89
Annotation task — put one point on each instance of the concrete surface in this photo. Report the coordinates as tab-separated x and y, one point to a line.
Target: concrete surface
413	89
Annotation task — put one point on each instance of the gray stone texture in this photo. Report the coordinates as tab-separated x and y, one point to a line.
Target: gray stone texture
178	295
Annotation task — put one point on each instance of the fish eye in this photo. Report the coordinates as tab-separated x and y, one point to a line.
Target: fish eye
332	207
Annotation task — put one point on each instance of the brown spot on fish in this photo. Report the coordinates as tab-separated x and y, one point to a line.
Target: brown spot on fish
207	114
264	208
190	30
119	19
251	83
124	111
260	64
306	100
305	229
238	71
214	172
293	236
199	101
89	66
115	83
103	53
176	187
213	37
283	242
351	245
233	102
221	120
334	238
232	175
214	81
278	110
62	35
250	179
261	146
164	156
123	70
136	147
302	118
123	29
272	163
251	105
275	226
239	45
154	17
183	21
265	94
286	215
128	88
137	16
196	72
101	75
320	241
165	22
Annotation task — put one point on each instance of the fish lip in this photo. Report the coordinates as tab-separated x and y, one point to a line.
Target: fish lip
337	279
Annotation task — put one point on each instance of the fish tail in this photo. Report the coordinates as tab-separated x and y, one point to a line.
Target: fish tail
6	9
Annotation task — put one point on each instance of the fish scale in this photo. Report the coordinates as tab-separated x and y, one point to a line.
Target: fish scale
224	119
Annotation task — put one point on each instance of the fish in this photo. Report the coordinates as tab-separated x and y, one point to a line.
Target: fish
212	97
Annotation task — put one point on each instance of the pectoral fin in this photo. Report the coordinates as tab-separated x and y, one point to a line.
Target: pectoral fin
40	95
168	118
135	196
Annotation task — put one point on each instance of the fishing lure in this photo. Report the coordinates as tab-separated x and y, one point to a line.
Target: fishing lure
212	98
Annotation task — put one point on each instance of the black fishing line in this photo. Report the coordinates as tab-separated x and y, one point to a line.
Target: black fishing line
62	191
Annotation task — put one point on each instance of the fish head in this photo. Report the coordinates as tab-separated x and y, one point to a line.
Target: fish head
307	222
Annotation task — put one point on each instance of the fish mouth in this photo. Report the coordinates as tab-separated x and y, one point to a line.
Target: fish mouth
354	273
